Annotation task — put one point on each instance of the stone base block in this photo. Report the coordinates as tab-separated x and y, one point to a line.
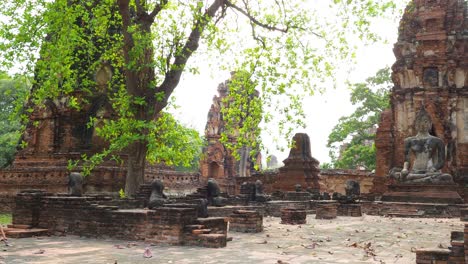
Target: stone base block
353	210
246	221
297	196
432	256
422	193
326	211
292	216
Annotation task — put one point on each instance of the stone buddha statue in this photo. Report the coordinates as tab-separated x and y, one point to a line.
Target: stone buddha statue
429	155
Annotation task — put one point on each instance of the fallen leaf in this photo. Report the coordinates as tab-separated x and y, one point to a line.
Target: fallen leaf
40	251
147	253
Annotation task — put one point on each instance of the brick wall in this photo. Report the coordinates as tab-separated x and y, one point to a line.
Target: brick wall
84	216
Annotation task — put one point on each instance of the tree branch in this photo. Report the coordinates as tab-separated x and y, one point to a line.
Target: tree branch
139	6
254	20
158	8
172	77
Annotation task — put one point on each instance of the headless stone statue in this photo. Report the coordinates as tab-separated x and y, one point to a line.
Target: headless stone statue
352	188
298	188
213	193
157	197
429	153
75	184
353	192
259	195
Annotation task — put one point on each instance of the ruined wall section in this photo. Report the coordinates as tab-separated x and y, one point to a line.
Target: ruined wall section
431	69
219	161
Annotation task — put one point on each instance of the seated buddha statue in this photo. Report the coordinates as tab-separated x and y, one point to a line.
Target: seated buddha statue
429	155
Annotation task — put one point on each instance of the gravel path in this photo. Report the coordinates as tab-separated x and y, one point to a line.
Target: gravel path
367	239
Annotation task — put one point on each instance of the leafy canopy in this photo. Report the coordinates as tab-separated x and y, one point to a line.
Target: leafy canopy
11	90
352	139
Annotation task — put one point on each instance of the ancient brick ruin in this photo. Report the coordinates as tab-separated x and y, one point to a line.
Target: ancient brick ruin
431	71
219	162
56	134
299	168
91	216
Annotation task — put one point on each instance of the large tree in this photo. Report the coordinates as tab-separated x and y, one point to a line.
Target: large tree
351	141
149	44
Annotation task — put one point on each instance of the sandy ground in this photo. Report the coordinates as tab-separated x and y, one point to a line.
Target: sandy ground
367	239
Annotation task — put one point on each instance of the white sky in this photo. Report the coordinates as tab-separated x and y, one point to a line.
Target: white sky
195	93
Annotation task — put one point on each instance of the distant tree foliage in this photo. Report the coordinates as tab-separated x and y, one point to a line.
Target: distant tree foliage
351	141
11	90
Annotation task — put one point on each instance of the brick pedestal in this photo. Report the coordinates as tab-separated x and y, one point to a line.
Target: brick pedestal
246	221
432	256
292	216
465	240
297	196
457	254
463	214
326	211
353	210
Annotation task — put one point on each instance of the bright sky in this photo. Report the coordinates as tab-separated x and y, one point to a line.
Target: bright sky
195	93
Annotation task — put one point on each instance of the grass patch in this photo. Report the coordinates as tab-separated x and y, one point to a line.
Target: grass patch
5	219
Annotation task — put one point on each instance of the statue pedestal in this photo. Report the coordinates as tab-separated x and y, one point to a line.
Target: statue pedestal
422	193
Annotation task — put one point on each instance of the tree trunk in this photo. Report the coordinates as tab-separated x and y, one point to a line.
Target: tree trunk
135	167
138	81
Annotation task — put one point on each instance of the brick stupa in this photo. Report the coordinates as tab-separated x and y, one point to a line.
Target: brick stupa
299	168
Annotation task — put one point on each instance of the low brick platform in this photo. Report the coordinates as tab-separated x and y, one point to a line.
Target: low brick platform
353	210
293	216
465	240
273	208
297	196
419	210
463	214
23	231
419	193
226	211
84	216
457	249
246	221
326	210
432	256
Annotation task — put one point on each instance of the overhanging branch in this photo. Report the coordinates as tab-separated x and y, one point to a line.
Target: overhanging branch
254	20
172	77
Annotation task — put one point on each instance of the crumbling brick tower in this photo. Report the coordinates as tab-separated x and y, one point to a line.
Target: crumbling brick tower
218	161
431	69
56	132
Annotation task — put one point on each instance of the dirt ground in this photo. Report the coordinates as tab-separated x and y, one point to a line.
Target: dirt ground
367	239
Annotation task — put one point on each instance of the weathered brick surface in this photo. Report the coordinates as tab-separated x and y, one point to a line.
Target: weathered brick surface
299	168
405	209
431	69
335	180
274	208
457	248
246	221
293	216
432	256
353	210
219	162
86	217
329	180
326	210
